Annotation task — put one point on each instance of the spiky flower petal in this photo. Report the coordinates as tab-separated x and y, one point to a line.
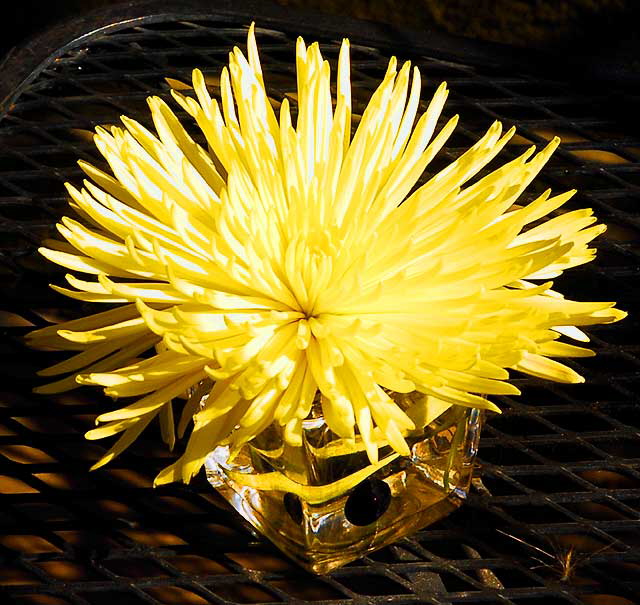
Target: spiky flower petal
291	259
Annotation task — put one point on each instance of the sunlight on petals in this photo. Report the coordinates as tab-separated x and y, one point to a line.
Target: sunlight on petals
297	256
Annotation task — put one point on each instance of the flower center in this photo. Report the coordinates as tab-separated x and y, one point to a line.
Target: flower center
309	264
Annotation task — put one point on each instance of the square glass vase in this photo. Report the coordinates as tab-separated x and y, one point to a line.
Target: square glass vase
323	503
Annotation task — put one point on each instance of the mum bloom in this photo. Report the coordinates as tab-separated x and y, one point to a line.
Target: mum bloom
291	260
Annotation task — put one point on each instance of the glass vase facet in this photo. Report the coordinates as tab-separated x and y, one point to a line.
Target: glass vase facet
323	503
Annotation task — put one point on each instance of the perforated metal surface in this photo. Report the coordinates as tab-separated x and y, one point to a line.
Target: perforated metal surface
554	517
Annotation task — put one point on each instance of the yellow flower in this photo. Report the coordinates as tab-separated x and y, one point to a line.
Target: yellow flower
291	259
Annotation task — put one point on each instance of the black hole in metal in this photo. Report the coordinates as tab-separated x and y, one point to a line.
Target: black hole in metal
367	502
293	506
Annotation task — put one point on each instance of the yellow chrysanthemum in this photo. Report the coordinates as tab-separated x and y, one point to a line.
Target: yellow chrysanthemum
291	259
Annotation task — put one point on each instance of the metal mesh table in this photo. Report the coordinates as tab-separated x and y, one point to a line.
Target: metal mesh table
554	515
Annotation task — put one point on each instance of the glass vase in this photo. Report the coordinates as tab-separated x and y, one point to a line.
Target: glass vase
323	502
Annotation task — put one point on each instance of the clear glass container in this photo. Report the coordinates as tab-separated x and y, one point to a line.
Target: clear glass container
278	487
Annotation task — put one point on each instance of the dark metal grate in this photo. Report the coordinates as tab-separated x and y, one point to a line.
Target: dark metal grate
560	468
